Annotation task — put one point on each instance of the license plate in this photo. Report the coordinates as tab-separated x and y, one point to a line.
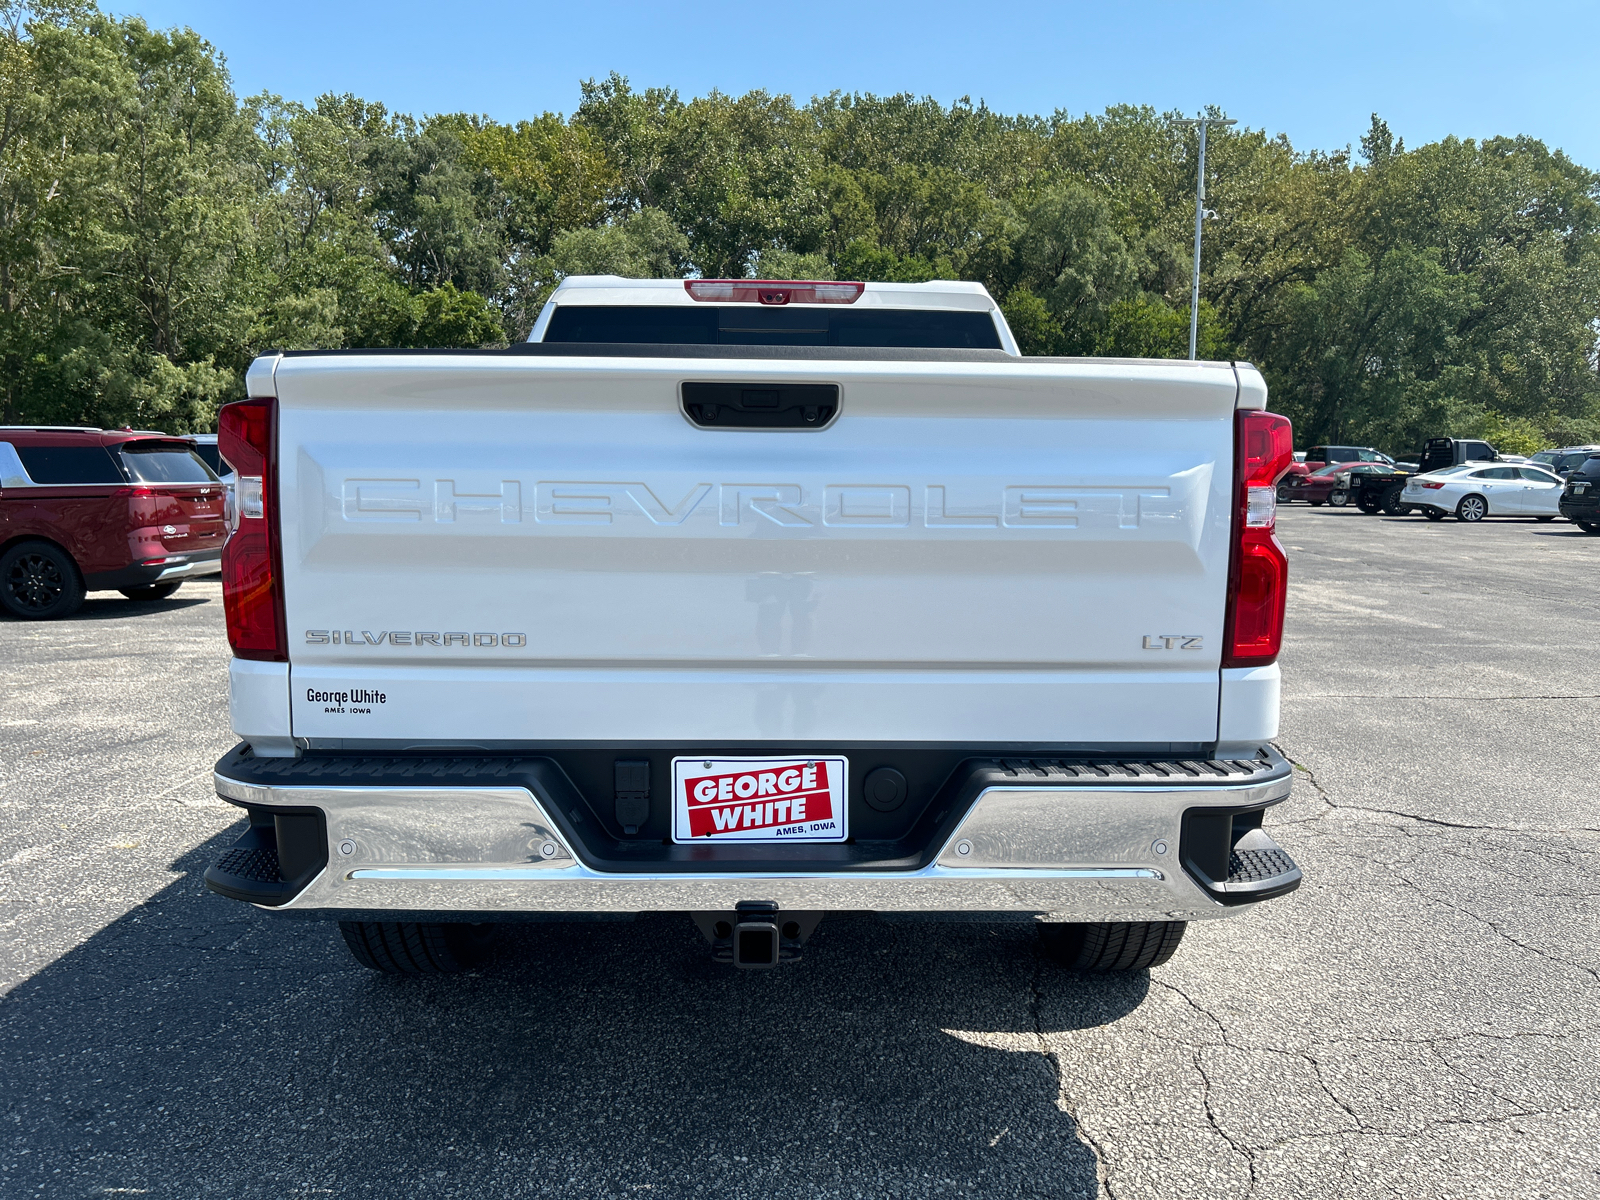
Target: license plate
1579	488
759	799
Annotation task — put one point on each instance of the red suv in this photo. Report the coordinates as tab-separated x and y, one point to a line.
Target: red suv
85	510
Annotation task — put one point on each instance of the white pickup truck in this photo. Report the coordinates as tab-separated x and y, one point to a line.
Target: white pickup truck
753	601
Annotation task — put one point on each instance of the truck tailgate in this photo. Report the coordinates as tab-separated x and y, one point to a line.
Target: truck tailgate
511	550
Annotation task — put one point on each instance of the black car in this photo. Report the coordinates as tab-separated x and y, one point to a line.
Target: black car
1564	462
1580	499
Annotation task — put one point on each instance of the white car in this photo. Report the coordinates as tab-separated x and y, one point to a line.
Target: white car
1477	490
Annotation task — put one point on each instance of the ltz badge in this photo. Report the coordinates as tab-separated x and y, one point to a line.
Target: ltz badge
759	799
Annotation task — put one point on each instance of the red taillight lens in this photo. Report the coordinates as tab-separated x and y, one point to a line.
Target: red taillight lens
252	591
773	291
1431	483
1258	581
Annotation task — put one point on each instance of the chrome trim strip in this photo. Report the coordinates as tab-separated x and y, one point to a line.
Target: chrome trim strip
475	874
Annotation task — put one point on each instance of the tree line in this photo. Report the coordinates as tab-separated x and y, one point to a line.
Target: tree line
157	231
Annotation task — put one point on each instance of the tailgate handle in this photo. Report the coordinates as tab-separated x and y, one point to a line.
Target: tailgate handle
760	405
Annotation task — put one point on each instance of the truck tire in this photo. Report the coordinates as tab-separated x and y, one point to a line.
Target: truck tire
39	582
1472	508
1589	526
414	948
1368	505
153	591
1111	945
1391	503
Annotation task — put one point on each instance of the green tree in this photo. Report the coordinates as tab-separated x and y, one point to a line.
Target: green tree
155	233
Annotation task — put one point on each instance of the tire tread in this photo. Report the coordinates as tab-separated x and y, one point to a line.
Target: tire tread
413	947
1107	946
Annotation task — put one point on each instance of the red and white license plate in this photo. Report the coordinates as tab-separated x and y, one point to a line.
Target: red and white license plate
759	799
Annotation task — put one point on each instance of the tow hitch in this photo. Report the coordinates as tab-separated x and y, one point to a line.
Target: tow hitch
756	934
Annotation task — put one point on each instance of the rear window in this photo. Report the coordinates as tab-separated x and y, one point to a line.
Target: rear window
759	325
1591	467
62	465
165	463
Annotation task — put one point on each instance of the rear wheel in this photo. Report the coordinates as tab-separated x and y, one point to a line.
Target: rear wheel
1589	526
39	581
1434	514
415	948
1391	503
155	591
1472	508
1339	498
1367	504
1111	945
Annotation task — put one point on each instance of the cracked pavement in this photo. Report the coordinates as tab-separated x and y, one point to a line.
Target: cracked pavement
1418	1020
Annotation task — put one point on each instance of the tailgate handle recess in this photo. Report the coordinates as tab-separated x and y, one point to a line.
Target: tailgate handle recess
760	405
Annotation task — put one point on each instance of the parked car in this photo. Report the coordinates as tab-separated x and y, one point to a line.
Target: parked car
1317	457
1580	497
1374	495
1486	490
1566	460
1329	485
86	510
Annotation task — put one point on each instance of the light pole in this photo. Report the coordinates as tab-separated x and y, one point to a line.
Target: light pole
1200	215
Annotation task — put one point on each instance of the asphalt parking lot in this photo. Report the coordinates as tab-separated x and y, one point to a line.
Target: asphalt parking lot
1419	1020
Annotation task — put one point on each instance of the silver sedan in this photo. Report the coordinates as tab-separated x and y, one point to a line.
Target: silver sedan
1485	490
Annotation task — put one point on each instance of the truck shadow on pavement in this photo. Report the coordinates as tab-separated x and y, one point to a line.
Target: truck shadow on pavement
113	607
198	1046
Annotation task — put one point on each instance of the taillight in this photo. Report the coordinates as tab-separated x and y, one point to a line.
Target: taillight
1430	484
773	291
1258	574
252	570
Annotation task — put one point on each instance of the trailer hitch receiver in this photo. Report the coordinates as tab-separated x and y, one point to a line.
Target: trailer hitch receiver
757	934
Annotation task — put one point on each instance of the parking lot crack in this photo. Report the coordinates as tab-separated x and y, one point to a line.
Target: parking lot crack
1222	1030
1424	1128
1335	805
1495	927
1316	786
1316	1069
1443	824
1243	1151
1063	1100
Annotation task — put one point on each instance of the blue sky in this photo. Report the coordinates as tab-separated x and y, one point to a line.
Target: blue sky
1312	70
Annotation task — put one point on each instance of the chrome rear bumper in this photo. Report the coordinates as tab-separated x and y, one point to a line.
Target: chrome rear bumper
1088	852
